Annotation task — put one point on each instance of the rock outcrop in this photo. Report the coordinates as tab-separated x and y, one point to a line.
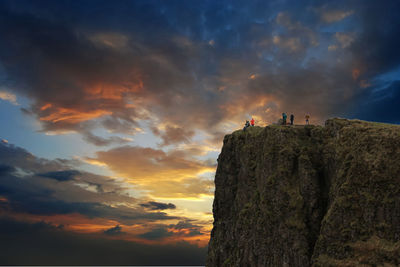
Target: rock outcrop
308	196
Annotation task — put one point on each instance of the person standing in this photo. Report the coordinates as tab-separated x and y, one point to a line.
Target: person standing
291	119
252	122
284	117
246	125
307	119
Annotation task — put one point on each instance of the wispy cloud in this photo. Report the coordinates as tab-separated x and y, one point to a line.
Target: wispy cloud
12	98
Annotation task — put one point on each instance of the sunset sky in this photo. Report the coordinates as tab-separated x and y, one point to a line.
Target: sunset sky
113	112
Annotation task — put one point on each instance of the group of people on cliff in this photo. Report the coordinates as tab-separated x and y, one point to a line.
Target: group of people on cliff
248	124
281	121
284	118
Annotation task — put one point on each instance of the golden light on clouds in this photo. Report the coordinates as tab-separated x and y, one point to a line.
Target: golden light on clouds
7	96
252	77
141	164
46	106
112	91
74	116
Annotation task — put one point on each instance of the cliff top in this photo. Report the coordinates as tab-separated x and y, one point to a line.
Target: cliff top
336	123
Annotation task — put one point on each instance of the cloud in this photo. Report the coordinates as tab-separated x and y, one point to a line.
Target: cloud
156	234
100	141
6	169
174	134
47	244
42	194
162	174
345	39
158	206
332	47
184	225
330	16
289	43
111	40
8	97
298	37
186	228
18	157
117	230
112	74
60	176
139	163
84	202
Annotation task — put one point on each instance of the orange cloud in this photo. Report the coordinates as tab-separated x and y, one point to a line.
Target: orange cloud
113	92
46	106
73	116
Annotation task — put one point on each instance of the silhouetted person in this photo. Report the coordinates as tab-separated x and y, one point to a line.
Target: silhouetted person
246	125
307	119
291	119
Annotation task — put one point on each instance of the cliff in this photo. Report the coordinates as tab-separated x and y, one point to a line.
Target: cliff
308	196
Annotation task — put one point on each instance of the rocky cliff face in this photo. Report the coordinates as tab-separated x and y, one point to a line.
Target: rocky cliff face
308	196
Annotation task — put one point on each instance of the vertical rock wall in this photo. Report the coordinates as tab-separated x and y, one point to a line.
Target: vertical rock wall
308	195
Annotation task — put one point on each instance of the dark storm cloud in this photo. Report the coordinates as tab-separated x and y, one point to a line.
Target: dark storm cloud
158	205
60	175
46	244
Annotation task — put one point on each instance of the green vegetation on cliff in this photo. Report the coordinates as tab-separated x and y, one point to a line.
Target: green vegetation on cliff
308	196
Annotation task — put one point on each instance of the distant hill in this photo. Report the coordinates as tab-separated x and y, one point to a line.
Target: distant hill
308	196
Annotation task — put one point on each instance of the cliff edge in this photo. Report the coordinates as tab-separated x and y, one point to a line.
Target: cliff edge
308	196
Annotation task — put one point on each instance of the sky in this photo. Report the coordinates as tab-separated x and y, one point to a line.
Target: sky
113	113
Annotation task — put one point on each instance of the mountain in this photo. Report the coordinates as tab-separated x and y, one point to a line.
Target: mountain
308	196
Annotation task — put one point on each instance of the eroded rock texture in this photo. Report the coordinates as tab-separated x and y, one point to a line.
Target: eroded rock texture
308	196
